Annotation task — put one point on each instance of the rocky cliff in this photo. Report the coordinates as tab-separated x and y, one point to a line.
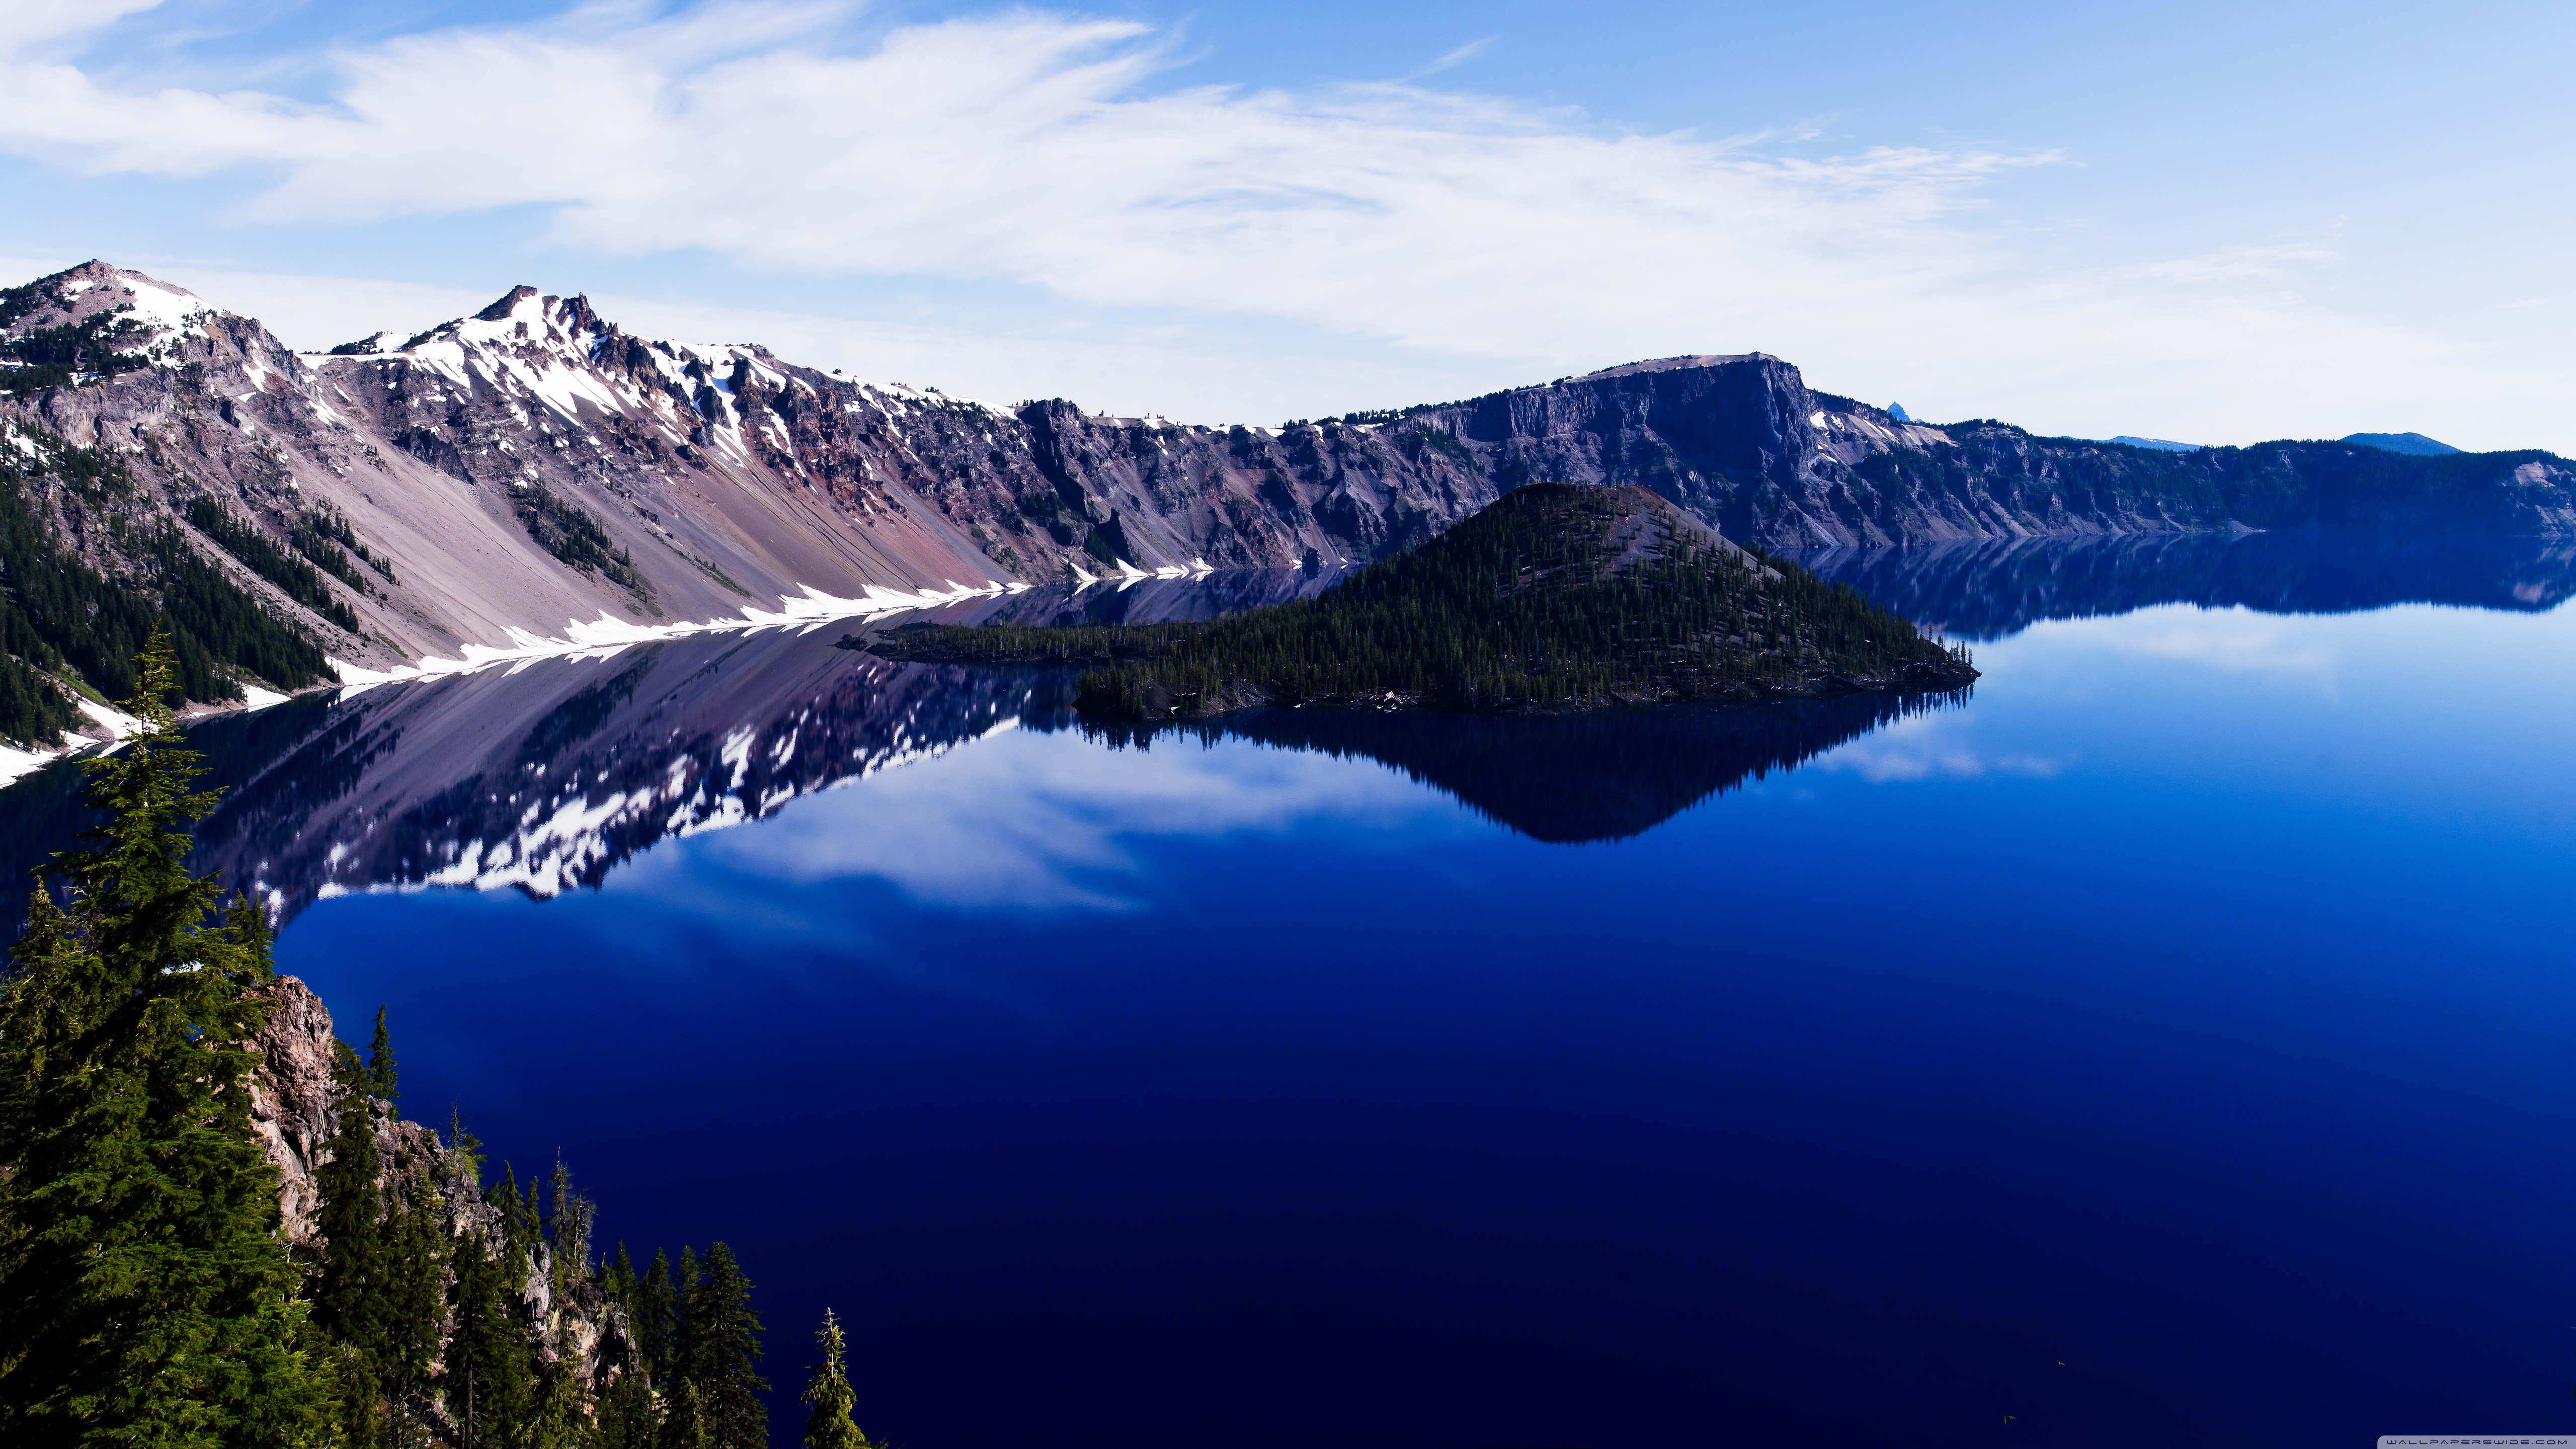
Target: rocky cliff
536	464
292	1111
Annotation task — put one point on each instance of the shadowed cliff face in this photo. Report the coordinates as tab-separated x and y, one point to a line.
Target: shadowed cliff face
1990	588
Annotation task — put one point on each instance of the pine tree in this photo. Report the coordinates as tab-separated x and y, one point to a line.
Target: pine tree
145	1294
485	1383
349	1289
676	1316
558	1414
414	1300
626	1415
380	1079
378	1291
719	1352
649	1315
684	1424
828	1390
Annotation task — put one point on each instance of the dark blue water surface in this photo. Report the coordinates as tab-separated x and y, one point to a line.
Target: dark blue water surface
2175	1042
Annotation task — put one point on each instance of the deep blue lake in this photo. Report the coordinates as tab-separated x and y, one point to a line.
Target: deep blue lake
2172	1042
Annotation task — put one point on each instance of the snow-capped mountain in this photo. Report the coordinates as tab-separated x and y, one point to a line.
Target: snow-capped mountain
503	476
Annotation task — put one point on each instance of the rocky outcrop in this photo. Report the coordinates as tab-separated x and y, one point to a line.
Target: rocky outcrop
293	1109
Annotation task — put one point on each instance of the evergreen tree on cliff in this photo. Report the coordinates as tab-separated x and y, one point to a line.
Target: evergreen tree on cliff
378	1289
486	1379
719	1352
684	1422
145	1294
827	1389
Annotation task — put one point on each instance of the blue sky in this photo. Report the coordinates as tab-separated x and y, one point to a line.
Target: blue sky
2219	223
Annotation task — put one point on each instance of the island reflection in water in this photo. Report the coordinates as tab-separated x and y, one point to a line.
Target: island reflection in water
550	775
2151	1048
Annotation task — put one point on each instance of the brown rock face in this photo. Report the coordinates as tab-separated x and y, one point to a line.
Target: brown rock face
291	1100
293	1111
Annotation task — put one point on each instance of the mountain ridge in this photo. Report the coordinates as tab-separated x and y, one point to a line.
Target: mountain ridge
535	464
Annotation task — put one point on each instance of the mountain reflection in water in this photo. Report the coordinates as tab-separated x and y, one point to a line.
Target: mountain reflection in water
548	775
1991	588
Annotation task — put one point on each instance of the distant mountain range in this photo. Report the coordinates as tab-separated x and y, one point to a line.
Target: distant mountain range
2415	444
495	476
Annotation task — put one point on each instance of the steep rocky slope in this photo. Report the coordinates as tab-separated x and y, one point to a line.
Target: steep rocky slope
535	464
292	1110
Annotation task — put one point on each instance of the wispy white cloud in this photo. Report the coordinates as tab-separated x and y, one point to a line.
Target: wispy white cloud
1044	149
1045	822
2232	640
1453	59
1933	746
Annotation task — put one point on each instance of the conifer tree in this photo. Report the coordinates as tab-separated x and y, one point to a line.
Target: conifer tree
719	1351
684	1424
684	1281
627	1419
349	1289
145	1294
651	1317
485	1383
414	1299
378	1291
558	1413
827	1389
380	1080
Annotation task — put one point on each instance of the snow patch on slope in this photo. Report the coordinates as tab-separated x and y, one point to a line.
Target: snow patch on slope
604	636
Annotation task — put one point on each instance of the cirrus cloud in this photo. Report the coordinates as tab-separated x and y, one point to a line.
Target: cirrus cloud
1045	149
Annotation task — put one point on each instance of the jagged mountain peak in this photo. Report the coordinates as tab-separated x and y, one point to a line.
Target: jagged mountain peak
507	308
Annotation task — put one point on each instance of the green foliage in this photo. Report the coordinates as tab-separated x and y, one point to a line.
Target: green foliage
485	1382
718	1352
1440	441
262	556
571	533
61	616
684	1420
827	1390
627	1416
378	1291
559	1409
1555	596
323	536
145	1296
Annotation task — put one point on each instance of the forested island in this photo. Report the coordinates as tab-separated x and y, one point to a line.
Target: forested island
215	1230
1556	598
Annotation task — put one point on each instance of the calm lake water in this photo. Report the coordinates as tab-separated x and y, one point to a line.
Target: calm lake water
2172	1042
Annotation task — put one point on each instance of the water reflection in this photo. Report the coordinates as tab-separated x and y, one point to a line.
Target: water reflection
1577	778
1991	588
549	775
